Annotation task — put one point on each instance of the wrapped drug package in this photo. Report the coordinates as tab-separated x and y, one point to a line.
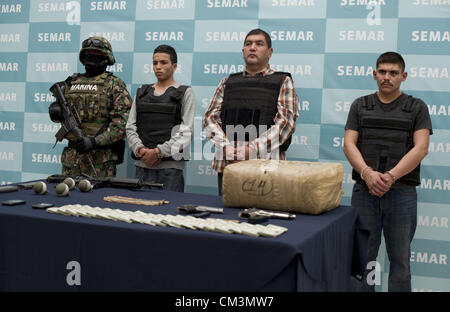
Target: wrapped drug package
294	186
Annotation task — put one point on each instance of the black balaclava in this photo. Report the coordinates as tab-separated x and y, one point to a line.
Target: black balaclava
94	64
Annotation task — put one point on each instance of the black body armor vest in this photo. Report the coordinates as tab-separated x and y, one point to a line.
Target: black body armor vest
384	138
252	100
157	115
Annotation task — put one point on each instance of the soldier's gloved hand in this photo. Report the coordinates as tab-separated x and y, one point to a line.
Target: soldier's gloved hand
85	144
55	112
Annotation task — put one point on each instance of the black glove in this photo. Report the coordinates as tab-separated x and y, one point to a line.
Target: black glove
85	144
55	112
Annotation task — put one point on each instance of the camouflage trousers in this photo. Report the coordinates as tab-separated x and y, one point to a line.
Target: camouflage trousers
76	164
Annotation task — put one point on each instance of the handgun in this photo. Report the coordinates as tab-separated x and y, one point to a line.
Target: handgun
253	212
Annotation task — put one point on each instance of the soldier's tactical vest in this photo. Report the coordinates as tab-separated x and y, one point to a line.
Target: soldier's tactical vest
384	138
157	115
252	100
90	97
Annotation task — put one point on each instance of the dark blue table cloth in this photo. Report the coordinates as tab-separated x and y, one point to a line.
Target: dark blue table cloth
315	254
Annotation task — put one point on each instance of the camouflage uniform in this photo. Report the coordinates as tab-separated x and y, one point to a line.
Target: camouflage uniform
102	102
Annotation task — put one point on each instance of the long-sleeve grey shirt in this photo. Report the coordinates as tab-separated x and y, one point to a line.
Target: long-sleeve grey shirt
181	137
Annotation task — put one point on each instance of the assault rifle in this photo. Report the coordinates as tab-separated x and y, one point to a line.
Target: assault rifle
71	120
98	182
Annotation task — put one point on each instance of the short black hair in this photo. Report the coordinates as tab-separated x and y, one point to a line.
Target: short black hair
392	58
164	48
258	31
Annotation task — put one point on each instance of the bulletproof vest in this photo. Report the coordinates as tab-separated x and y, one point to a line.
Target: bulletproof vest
157	115
385	137
252	100
90	97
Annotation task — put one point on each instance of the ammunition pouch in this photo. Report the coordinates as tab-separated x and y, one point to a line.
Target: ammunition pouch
118	147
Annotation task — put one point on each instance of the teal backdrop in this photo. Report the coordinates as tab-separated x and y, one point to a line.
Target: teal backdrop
329	47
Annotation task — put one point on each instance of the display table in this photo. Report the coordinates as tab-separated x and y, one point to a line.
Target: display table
315	254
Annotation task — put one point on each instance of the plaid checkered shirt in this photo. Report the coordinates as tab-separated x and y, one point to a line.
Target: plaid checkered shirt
276	135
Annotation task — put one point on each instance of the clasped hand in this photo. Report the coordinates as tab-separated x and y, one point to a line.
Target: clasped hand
378	183
149	156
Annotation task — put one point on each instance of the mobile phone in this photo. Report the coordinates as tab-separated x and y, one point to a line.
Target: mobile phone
42	206
13	202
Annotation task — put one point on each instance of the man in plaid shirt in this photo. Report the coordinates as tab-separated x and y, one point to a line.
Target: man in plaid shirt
257	99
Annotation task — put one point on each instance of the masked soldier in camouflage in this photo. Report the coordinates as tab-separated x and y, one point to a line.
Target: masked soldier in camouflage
103	104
